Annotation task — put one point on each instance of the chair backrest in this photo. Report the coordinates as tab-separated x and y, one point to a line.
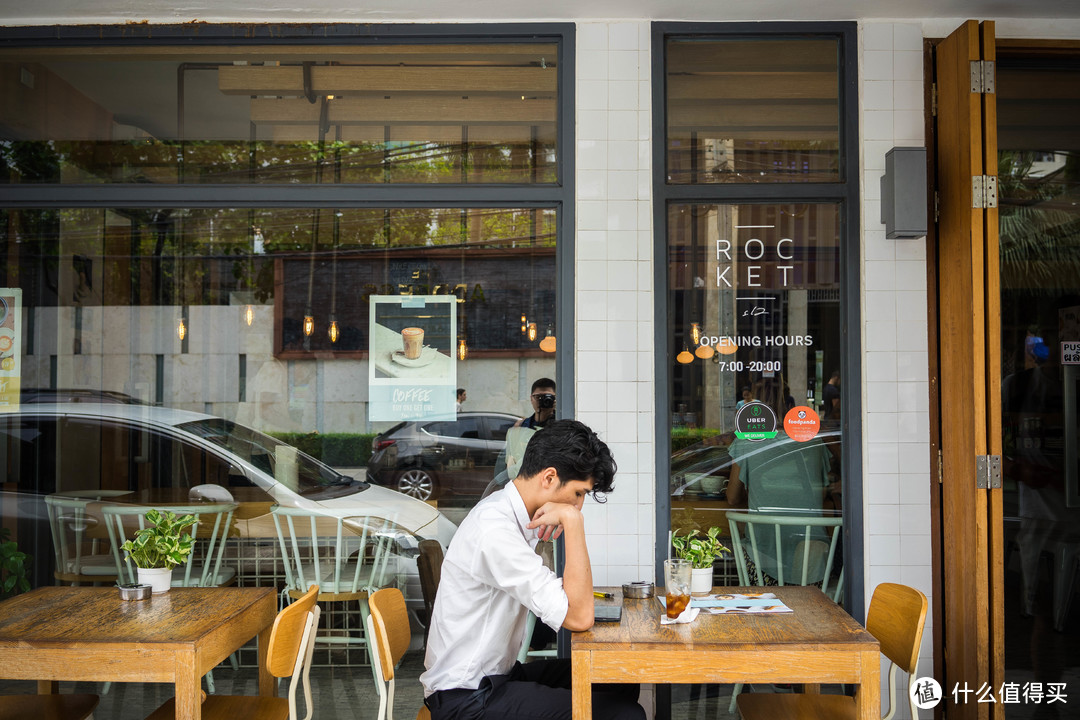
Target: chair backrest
800	548
213	522
388	629
896	617
429	566
292	642
322	546
68	523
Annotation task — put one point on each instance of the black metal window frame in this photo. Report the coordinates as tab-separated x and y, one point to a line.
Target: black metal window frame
844	193
559	195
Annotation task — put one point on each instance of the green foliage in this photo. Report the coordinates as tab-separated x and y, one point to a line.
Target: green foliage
335	449
163	544
14	566
685	437
701	551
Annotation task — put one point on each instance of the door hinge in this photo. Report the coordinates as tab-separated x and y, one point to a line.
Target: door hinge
933	99
940	461
937	207
984	191
988	472
982	76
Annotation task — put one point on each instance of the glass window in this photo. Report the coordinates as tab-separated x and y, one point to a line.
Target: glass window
408	113
753	110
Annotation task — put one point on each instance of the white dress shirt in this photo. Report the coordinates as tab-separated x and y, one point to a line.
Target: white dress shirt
491	578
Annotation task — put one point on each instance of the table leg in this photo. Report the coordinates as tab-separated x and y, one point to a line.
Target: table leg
581	684
267	685
188	687
48	687
868	691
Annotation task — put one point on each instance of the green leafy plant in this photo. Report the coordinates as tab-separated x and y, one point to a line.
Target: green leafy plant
162	544
700	550
14	565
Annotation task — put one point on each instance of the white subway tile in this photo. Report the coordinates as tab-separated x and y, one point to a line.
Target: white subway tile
622	215
880	306
914	520
883	458
907	37
883	519
908	95
911	365
592	185
911	275
880	275
878	124
592	395
622	549
622	125
622	184
622	245
913	397
876	65
591	336
591	305
911	335
914	458
909	127
591	64
592	36
908	65
913	427
880	367
623	95
592	215
622	155
877	95
590	245
623	64
881	427
916	550
881	489
592	154
915	489
879	335
592	95
877	36
913	249
592	124
884	549
881	397
623	36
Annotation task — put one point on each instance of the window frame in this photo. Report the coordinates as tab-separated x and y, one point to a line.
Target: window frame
845	193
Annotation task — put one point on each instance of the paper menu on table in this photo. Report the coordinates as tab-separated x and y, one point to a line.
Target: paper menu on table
738	603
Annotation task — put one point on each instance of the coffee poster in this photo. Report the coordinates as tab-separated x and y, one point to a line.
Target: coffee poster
412	371
10	350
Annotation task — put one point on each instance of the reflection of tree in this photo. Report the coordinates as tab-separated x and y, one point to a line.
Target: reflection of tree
1039	225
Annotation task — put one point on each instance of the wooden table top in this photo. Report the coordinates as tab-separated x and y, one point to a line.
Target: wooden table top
815	623
63	616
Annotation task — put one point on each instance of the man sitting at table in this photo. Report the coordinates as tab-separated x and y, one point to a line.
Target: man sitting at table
492	578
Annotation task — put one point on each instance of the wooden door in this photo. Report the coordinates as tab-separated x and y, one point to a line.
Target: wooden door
970	648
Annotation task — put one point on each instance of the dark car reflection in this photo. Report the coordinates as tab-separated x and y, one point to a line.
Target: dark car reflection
430	458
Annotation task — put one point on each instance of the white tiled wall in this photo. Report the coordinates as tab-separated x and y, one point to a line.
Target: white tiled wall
896	467
614	288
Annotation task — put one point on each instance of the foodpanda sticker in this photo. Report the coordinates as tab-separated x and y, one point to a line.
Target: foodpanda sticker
801	423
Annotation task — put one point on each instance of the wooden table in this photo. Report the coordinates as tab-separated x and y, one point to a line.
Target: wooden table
89	634
816	643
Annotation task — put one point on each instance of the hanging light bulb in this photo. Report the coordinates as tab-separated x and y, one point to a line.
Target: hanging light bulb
685	357
249	314
309	325
332	331
548	343
695	333
532	331
704	351
181	329
462	349
524	324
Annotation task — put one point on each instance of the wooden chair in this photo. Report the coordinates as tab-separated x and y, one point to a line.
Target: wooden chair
47	707
896	618
429	567
344	554
288	655
388	628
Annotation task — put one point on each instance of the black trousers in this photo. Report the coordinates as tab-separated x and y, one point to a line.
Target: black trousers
539	690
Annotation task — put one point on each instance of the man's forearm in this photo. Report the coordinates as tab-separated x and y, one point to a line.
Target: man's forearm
577	577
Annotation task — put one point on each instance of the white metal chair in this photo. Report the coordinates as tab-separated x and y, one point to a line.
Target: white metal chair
525	653
79	555
346	555
801	549
203	568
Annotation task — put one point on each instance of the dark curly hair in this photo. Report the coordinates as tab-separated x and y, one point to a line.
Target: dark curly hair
575	452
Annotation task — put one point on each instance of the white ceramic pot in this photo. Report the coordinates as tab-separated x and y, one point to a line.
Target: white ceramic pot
159	579
701	581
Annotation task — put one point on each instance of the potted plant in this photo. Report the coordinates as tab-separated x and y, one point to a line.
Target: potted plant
160	547
14	566
701	551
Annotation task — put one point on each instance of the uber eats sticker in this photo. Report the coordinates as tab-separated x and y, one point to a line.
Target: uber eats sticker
755	421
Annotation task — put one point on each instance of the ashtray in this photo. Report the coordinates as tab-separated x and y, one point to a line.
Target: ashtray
134	591
637	590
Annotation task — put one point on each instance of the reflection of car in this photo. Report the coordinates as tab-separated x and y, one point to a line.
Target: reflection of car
76	395
428	458
702	469
161	454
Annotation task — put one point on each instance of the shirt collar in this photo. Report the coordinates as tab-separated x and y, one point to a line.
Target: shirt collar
521	513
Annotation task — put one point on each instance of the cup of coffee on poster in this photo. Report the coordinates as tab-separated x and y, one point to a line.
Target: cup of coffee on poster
412	342
677	581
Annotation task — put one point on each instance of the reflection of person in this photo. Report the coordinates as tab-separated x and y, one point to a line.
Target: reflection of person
830	397
747	396
492	578
542	397
779	477
460	398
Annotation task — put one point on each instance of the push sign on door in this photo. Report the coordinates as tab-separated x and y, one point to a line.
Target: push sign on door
1070	353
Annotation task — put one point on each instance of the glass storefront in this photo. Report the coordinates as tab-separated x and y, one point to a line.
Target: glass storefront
361	352
757	224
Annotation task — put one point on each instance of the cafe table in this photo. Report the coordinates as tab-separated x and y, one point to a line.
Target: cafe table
89	634
815	643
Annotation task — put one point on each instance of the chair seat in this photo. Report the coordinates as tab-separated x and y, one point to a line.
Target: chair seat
328	587
795	706
225	576
104	565
47	707
231	707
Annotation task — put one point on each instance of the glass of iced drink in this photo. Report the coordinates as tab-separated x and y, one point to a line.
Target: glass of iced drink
677	580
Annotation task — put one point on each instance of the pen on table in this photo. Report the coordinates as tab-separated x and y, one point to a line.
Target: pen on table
604	595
